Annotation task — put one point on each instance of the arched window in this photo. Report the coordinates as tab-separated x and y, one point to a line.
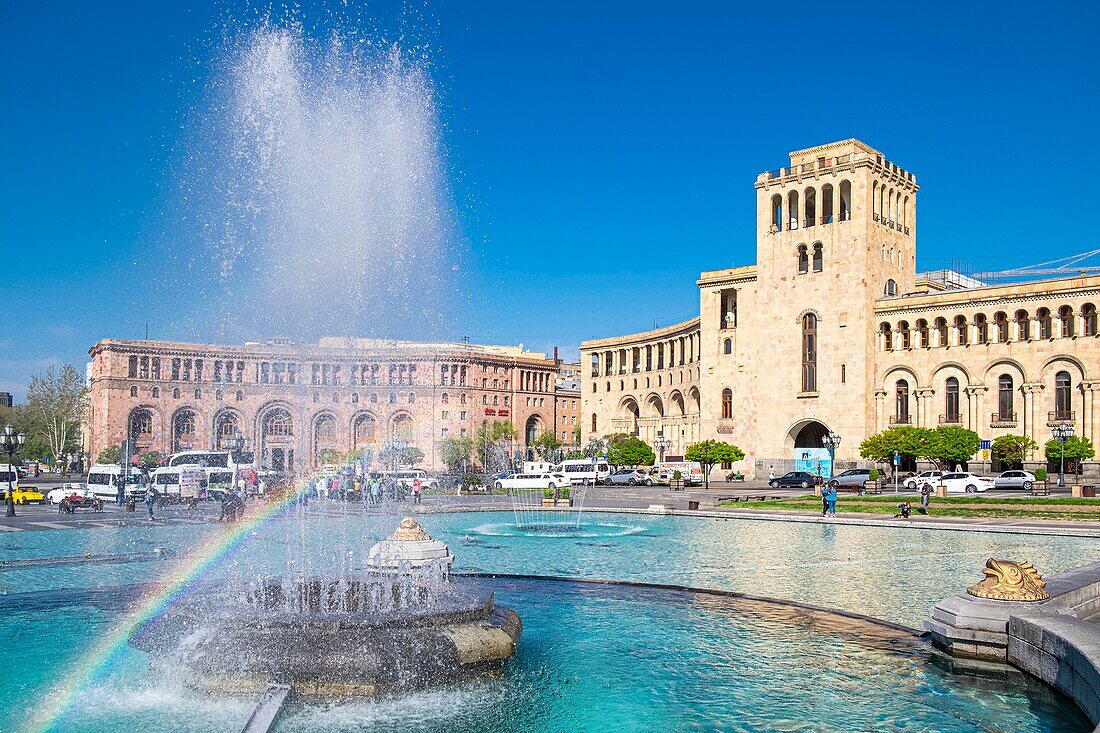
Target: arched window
1063	397
845	208
1000	322
240	395
906	338
444	398
809	353
1088	315
1023	326
393	398
803	260
176	393
792	210
981	329
884	253
901	402
412	398
1065	319
827	204
777	213
962	330
156	391
819	256
941	332
951	401
891	289
876	193
133	391
1004	399
316	396
811	207
905	212
462	398
727	403
335	397
374	398
1046	325
887	336
593	422
727	346
922	334
355	398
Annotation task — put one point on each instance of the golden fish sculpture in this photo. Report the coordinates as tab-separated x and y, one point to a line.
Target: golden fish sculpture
1006	580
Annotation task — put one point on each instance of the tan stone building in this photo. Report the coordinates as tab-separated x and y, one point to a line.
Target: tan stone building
832	330
293	400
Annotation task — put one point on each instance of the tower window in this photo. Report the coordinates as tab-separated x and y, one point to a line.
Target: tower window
891	289
819	257
803	260
809	353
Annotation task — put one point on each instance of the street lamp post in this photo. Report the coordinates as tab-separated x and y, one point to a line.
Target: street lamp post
593	450
662	444
1062	432
832	442
11	443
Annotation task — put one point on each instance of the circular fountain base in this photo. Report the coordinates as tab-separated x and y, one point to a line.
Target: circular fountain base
232	648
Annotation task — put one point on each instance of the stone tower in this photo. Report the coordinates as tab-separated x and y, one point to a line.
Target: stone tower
836	231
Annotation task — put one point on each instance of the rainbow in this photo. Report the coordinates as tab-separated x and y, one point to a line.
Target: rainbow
179	585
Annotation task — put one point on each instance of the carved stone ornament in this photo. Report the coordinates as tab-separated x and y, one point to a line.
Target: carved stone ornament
409	530
1010	581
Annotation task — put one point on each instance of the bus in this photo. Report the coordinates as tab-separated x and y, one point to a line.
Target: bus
204	458
580	471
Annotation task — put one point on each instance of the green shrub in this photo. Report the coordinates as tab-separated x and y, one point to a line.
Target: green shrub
873	475
565	492
1040	474
547	493
677	474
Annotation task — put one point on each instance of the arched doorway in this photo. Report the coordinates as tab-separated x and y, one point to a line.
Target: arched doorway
530	432
185	434
804	440
277	435
141	429
226	426
325	447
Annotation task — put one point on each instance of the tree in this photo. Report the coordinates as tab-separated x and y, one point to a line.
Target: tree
490	440
1076	448
546	445
328	456
55	406
903	440
150	459
628	450
110	454
410	456
949	445
1013	449
454	450
710	452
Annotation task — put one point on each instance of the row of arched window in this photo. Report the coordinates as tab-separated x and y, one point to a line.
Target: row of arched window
1006	401
810	207
890	207
154	392
960	332
649	383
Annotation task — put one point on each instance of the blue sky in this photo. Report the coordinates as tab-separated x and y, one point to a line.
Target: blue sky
600	154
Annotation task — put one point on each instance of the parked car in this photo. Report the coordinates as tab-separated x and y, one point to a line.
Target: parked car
964	483
24	495
852	478
791	479
1015	480
55	496
627	476
925	477
533	481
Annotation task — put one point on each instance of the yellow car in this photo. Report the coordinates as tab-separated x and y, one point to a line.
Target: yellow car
24	495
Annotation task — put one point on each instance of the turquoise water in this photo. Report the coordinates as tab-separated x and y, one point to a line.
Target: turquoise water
591	657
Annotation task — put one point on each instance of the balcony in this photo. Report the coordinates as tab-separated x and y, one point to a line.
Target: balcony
950	419
1059	416
1002	420
900	420
809	221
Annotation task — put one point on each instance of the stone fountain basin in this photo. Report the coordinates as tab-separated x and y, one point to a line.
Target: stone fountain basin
217	644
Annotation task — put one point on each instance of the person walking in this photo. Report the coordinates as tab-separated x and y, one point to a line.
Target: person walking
824	500
150	502
830	492
771	473
417	488
925	497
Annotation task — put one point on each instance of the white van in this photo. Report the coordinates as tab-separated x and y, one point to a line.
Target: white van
690	471
166	481
579	471
103	480
8	473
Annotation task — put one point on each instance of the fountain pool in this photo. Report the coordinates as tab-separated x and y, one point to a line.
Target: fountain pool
609	657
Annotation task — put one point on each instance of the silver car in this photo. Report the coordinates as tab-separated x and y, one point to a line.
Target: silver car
853	478
627	476
1014	480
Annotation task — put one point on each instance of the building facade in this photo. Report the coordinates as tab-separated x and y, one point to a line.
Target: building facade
295	401
832	330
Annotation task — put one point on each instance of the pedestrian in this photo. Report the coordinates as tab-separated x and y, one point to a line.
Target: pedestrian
925	497
417	489
150	502
831	494
376	491
824	500
771	473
